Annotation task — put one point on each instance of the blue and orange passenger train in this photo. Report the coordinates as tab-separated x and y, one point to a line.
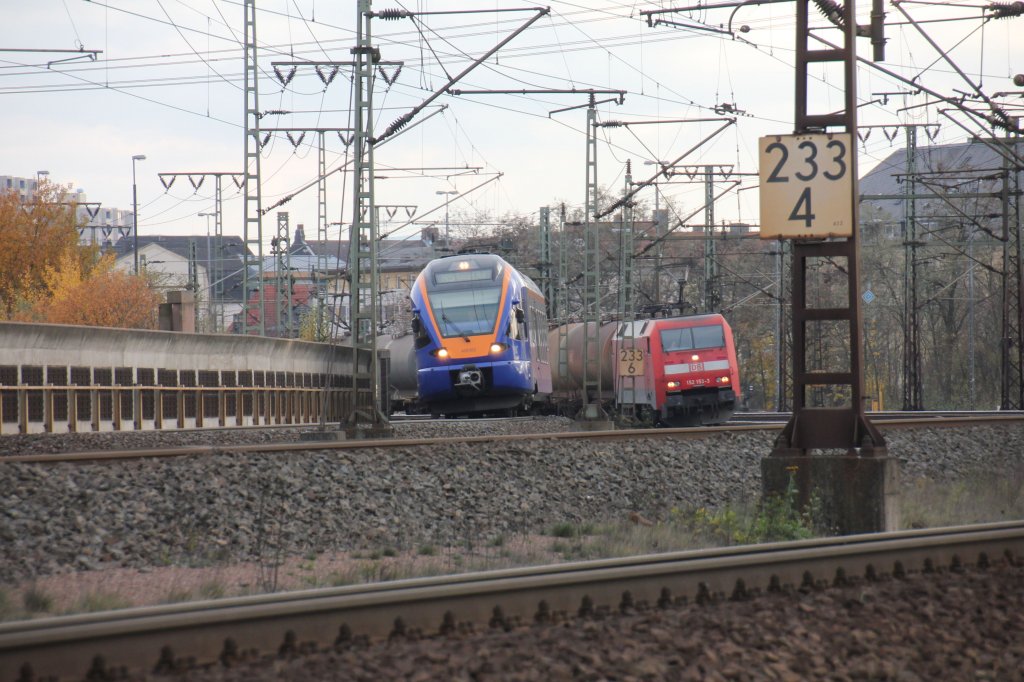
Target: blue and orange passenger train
480	333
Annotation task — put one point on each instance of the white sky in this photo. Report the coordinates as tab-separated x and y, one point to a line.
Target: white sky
168	84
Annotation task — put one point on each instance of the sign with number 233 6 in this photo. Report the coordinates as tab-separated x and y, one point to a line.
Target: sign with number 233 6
806	186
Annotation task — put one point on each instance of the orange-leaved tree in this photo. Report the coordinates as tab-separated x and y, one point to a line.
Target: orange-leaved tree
47	276
34	234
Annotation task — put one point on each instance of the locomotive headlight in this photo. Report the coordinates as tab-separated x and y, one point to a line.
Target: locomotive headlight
694	357
441	353
673	384
498	347
722	380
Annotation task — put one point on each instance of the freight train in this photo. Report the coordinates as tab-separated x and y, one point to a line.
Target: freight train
481	344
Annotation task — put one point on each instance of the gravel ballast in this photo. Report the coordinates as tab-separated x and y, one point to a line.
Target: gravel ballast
222	508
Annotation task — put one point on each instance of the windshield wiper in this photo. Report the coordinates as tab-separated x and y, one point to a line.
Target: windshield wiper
454	326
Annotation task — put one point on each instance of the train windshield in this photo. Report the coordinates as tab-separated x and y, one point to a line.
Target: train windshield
467	312
692	338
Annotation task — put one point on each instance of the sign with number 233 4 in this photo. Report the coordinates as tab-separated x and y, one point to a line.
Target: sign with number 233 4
806	186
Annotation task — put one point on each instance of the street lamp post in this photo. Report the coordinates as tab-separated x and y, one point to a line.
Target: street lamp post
135	212
657	233
210	308
447	201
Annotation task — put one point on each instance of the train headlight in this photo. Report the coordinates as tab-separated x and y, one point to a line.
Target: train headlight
497	348
673	384
694	358
722	380
441	353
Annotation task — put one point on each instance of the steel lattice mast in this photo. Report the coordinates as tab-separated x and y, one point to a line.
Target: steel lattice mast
591	281
362	261
252	237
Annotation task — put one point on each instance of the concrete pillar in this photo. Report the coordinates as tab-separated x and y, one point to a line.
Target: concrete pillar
178	314
847	493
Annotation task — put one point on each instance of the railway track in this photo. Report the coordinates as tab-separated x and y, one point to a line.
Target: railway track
899	421
203	633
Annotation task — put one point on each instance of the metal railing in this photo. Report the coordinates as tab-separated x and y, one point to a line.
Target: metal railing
78	408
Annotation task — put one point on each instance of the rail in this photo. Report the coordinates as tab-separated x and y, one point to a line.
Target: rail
73	409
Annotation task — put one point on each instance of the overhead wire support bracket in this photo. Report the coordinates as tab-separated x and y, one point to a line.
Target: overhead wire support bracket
79	53
406	118
328	63
394	14
997	112
665	168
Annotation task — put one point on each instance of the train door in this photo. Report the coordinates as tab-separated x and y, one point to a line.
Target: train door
539	346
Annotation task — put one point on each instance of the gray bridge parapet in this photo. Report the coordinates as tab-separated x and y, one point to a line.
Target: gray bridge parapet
62	378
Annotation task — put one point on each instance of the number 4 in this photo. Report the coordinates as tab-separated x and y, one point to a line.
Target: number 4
805	202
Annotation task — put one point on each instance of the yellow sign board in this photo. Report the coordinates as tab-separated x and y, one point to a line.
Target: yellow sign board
631	362
806	185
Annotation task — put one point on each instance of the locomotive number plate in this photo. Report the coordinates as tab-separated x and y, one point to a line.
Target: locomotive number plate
806	186
631	362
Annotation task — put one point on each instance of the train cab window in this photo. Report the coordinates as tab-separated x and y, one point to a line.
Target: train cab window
692	338
466	312
420	337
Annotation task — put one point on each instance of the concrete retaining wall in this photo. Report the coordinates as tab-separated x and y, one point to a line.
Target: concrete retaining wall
54	344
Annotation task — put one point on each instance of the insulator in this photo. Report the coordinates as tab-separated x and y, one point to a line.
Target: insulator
1000	120
393	14
1018	80
832	10
1005	10
399	123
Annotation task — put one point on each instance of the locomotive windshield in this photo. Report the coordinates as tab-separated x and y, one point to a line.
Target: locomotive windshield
692	338
465	312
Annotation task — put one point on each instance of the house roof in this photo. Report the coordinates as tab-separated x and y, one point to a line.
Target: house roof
392	254
231	262
936	166
302	258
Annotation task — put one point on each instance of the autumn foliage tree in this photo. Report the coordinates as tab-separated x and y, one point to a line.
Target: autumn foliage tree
47	276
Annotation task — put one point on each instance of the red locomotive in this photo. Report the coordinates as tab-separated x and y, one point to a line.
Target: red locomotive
669	371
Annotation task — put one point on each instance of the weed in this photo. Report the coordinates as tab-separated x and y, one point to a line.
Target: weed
560	547
311	555
6	607
571	530
177	597
368	573
37	601
390	552
100	601
340	578
212	589
428	550
563	530
497	541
